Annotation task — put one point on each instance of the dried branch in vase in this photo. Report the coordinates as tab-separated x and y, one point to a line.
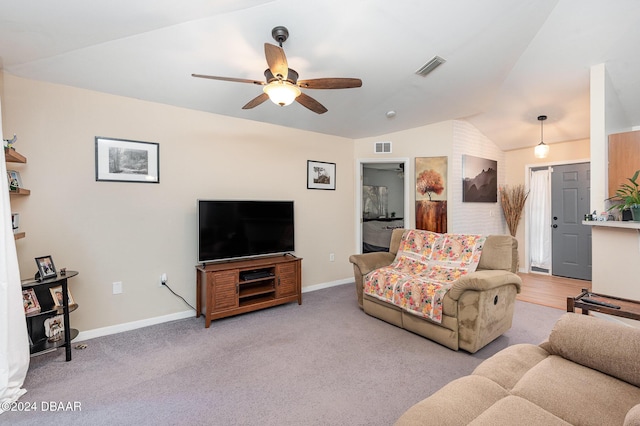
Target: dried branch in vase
512	200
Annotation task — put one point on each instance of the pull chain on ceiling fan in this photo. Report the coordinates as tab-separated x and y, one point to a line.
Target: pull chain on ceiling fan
282	85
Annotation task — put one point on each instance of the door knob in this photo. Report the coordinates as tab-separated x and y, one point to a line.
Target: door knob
555	218
555	226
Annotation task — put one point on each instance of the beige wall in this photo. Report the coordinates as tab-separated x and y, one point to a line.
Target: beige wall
518	161
451	139
133	232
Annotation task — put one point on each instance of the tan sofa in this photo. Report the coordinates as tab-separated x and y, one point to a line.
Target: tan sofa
586	373
476	310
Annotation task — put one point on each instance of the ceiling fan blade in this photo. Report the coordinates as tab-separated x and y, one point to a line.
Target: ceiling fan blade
256	101
310	103
236	80
330	83
276	60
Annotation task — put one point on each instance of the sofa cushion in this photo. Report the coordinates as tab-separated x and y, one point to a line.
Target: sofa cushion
500	252
457	403
599	344
513	410
577	394
508	366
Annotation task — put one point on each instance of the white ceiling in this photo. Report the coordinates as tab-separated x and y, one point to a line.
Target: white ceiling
508	61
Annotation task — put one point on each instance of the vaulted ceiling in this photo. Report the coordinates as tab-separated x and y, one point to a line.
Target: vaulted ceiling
507	61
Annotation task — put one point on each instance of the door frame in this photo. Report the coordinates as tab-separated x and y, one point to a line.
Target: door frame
527	175
408	171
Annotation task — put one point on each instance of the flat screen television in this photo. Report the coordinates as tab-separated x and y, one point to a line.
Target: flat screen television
229	229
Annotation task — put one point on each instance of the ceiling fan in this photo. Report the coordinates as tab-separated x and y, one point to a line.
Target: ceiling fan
282	85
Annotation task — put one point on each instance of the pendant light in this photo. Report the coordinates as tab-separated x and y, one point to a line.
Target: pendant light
542	149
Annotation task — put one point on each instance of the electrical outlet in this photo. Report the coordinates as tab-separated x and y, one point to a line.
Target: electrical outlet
332	257
163	279
117	287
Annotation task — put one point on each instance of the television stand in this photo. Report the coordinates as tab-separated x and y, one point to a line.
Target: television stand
236	287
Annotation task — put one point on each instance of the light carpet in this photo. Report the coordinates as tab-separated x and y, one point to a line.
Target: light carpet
324	362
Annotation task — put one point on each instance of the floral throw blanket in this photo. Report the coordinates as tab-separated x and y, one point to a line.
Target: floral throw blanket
424	269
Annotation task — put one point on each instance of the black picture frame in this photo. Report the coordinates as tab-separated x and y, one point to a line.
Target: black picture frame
122	160
321	175
46	267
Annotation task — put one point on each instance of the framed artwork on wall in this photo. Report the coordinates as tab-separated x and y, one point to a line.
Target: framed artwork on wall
431	193
120	160
479	180
321	175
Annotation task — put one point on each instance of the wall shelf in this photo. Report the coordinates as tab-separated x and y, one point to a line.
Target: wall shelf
12	156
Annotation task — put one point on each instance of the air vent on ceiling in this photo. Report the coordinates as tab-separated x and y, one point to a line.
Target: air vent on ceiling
382	148
434	63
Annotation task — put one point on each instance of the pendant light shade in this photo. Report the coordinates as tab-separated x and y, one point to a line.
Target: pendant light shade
542	149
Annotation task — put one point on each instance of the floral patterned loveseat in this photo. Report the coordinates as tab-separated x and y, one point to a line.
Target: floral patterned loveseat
457	290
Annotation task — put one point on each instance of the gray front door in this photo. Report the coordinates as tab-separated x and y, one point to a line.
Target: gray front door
570	240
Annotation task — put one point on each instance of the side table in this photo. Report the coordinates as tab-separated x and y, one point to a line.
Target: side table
626	308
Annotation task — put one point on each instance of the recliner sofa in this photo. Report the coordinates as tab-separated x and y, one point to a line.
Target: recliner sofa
476	310
586	373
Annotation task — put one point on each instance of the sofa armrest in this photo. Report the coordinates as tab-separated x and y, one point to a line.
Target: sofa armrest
484	280
368	262
365	263
599	344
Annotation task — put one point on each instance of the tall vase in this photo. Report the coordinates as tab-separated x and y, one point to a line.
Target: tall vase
635	213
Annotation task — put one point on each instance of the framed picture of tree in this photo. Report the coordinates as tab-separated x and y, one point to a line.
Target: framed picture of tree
321	175
431	193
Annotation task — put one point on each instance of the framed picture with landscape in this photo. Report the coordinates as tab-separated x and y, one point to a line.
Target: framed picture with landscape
120	160
321	175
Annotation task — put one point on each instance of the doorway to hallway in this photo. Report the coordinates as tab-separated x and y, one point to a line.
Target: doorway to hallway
382	202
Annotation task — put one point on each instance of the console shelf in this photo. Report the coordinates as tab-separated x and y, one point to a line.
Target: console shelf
237	287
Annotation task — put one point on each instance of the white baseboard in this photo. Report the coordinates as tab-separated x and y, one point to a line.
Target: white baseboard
128	326
326	285
120	328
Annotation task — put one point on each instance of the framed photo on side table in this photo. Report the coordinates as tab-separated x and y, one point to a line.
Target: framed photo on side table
119	160
46	268
321	175
56	293
30	301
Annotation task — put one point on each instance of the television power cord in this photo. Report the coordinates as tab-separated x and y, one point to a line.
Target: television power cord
164	283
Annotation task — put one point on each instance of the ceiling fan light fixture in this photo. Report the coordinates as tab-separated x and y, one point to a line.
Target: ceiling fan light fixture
281	92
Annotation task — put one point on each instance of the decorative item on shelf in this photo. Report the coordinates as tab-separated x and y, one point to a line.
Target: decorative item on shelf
46	268
512	200
30	301
15	222
627	197
15	182
56	294
542	149
54	328
8	143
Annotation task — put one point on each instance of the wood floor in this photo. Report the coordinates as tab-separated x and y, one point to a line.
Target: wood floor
548	290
